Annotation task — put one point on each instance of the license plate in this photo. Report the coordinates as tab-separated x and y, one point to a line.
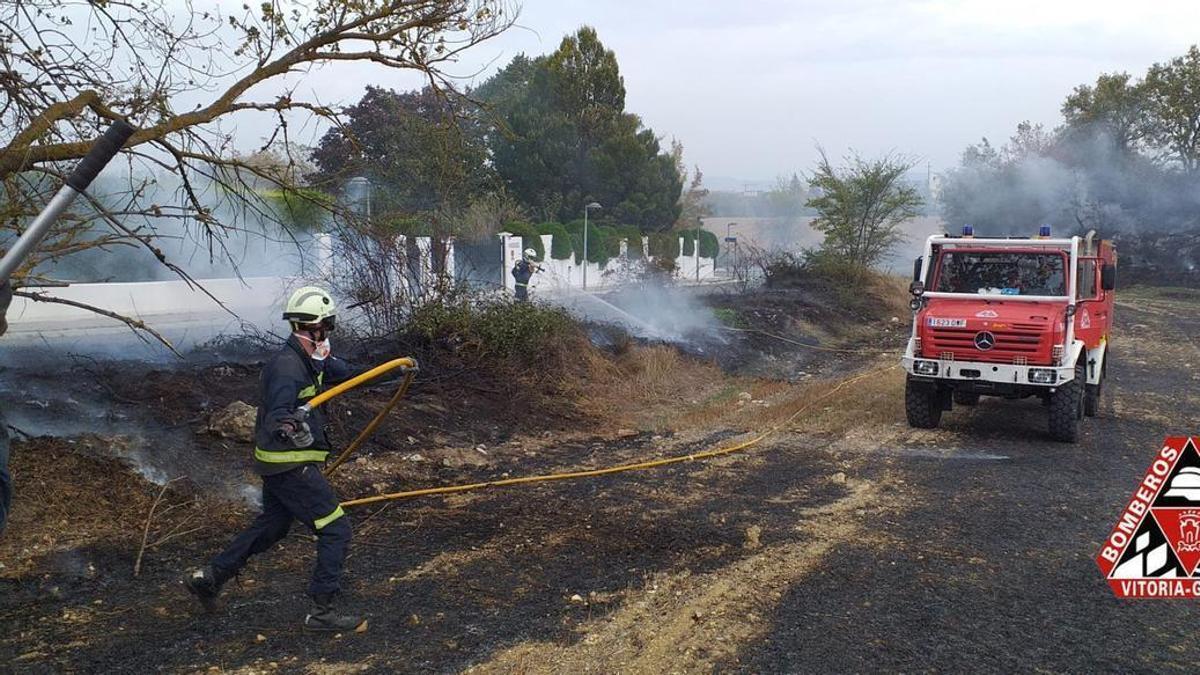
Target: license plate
937	322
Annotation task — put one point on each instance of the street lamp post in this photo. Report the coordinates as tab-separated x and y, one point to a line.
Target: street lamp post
696	250
730	240
589	207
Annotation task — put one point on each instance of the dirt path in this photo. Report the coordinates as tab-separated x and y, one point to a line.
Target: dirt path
991	565
848	543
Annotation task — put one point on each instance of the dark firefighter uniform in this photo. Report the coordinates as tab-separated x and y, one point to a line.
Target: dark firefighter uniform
293	485
522	272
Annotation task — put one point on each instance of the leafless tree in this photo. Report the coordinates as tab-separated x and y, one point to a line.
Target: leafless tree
183	75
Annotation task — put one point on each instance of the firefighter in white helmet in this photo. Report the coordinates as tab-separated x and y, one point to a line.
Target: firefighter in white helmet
289	449
523	271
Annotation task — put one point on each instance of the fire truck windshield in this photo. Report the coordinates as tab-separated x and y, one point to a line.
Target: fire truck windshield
1001	273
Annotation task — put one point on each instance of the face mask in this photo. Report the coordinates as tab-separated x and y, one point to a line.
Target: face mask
321	349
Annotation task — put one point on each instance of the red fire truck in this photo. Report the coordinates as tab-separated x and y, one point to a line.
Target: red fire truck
1010	317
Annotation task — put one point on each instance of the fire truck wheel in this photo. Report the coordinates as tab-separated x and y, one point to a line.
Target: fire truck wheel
966	397
1066	408
922	405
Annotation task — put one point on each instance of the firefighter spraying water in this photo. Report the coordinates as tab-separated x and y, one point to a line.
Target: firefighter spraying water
523	271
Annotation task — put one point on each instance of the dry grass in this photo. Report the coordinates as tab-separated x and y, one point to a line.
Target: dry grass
643	386
873	399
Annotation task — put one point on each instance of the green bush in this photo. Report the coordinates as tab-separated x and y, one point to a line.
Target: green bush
409	226
530	237
664	245
561	246
689	241
576	226
603	243
302	207
709	245
494	328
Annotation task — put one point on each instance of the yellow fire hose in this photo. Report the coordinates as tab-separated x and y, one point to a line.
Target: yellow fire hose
588	473
410	369
374	424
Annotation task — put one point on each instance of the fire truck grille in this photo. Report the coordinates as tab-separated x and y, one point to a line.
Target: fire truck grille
1021	341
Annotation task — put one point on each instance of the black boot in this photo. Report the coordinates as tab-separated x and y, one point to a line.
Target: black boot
322	617
203	584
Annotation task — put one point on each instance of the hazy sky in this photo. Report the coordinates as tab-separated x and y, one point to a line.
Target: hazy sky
750	87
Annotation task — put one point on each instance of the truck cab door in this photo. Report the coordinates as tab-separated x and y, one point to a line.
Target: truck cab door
1093	313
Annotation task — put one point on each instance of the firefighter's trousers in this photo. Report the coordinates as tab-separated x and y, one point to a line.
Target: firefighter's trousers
302	494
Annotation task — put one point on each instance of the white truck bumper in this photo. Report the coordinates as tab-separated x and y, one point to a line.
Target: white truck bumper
999	373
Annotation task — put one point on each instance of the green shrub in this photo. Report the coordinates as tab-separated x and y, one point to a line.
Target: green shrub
495	328
664	245
561	246
306	208
709	245
530	237
689	241
575	226
603	243
409	226
729	317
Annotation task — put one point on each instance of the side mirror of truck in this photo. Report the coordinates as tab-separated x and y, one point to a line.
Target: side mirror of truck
1108	277
917	268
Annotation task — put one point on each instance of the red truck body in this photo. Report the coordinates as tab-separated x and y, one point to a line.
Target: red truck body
1010	317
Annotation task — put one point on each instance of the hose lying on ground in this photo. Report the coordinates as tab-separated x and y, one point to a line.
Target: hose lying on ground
588	473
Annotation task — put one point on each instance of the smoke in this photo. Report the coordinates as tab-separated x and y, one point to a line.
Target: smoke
1078	180
650	310
46	402
248	240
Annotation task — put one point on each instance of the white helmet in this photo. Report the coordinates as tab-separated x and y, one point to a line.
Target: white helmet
530	253
310	304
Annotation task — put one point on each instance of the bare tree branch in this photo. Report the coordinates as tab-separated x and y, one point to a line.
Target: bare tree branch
134	324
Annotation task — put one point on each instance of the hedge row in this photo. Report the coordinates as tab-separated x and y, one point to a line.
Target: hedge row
709	247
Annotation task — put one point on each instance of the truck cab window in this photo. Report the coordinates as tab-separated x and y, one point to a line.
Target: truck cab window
1087	280
1001	273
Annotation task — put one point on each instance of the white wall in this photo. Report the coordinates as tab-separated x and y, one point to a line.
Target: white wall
149	299
179	309
566	274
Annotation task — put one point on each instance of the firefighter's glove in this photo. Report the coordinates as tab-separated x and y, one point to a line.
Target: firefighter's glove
295	431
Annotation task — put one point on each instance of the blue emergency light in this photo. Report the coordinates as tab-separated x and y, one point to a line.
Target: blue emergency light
1044	232
968	231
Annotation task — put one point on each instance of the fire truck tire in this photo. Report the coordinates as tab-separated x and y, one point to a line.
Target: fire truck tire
966	397
1066	408
922	406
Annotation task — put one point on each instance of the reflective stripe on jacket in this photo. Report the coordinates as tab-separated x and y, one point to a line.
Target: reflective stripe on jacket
290	379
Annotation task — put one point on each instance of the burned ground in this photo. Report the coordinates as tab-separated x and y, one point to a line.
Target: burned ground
845	542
